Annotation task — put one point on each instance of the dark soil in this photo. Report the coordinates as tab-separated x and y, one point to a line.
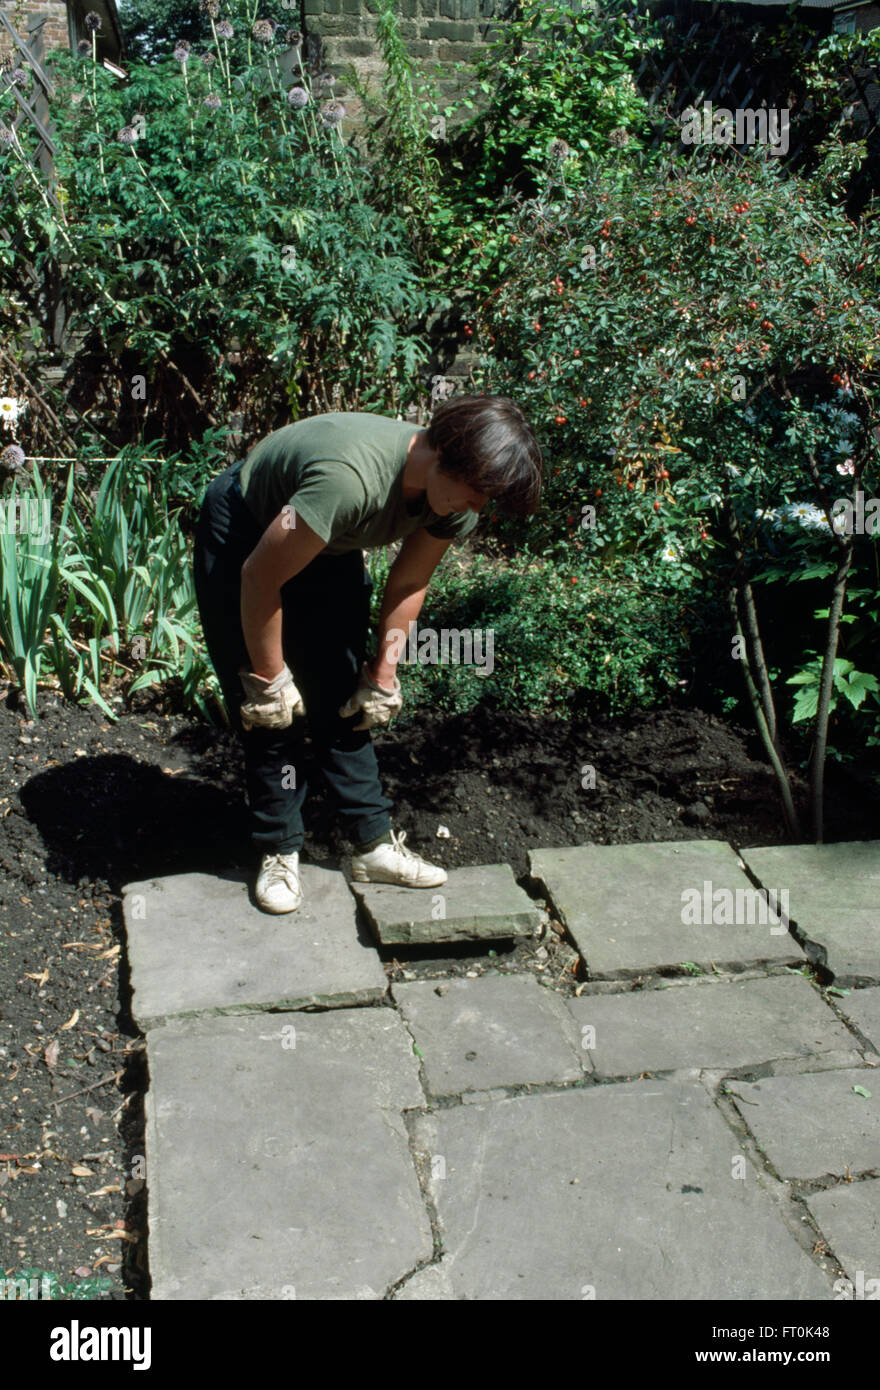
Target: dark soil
89	806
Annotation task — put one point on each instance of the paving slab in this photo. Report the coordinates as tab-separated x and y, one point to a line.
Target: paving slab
849	1218
629	908
711	1023
623	1190
278	1162
814	1123
493	1031
198	945
863	1007
480	903
834	899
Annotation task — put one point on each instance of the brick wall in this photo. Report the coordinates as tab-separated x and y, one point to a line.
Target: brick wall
55	32
434	31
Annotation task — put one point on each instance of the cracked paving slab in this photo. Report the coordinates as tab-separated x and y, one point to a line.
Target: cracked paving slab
708	1024
278	1160
814	1123
197	945
503	1030
834	896
849	1218
628	907
484	902
621	1191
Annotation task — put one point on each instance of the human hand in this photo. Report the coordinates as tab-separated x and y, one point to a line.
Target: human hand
375	704
270	704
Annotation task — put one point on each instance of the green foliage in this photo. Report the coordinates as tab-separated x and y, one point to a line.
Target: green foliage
551	97
105	588
555	643
685	345
229	260
49	1286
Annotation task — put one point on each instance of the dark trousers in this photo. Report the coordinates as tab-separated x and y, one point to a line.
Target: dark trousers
325	621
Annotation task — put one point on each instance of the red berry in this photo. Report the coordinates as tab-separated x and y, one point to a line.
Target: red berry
656	506
631	486
560	419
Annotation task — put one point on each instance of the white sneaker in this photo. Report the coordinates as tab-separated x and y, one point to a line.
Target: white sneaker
278	887
395	863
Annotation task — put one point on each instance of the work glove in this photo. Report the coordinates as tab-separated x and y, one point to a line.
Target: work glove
375	705
270	704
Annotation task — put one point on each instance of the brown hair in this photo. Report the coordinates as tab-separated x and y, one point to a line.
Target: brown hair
488	442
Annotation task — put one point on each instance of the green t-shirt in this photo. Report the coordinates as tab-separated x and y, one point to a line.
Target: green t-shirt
343	474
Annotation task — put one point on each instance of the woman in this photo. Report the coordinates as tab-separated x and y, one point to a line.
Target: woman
284	599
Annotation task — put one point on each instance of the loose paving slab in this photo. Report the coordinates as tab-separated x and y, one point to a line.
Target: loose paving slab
834	894
711	1024
278	1162
628	907
814	1123
482	903
197	944
503	1030
624	1190
863	1007
849	1218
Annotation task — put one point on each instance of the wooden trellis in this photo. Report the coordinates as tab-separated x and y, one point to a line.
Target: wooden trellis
689	70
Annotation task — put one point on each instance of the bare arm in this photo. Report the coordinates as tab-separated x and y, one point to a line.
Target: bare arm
405	590
283	550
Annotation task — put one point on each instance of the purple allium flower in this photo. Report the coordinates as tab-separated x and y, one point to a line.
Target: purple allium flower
7	136
224	29
127	135
332	113
293	37
208	58
298	97
11	458
83	46
181	52
213	102
559	149
264	30
619	137
210	7
92	22
18	77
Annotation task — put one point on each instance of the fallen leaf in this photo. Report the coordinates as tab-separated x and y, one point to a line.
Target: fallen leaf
114	951
50	1056
41	978
860	1091
80	1171
86	945
71	1021
102	1191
